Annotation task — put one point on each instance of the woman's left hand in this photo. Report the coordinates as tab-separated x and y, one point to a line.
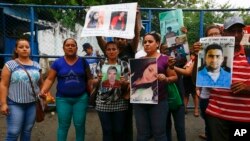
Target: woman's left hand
161	77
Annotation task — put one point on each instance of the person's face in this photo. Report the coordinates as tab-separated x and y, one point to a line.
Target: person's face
121	42
236	31
213	32
150	74
23	48
214	59
89	51
177	40
150	45
96	16
122	14
111	76
112	51
70	48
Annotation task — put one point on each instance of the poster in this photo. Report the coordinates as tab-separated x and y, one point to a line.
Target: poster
178	48
144	83
170	24
116	20
215	62
111	76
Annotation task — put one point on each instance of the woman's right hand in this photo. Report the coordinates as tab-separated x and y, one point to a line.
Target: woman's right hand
4	109
171	62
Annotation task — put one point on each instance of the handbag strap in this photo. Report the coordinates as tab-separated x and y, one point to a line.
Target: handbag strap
31	84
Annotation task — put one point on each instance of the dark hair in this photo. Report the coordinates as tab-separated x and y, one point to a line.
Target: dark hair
111	43
111	68
169	28
15	55
156	36
138	73
211	27
64	42
86	46
213	46
92	14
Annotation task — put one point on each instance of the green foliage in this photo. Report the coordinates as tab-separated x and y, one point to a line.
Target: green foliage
68	17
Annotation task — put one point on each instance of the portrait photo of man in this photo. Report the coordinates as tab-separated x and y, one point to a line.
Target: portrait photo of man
212	74
111	81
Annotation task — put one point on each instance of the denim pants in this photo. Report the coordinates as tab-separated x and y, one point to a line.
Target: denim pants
68	108
113	124
151	117
179	123
20	121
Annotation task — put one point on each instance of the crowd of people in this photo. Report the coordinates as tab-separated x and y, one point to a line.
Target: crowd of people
221	109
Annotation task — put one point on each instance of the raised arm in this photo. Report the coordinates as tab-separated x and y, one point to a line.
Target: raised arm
136	39
101	42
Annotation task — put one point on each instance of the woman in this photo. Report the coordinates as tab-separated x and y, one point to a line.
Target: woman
110	105
144	87
153	117
17	98
93	19
71	95
118	22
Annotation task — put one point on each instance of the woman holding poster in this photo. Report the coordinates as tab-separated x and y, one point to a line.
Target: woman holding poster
110	105
153	117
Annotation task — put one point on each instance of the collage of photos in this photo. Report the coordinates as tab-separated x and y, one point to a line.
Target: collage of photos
108	21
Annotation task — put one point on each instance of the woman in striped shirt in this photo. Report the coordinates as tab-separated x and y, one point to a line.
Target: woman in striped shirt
17	99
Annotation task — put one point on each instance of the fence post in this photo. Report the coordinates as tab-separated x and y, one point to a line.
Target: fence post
201	23
149	18
32	27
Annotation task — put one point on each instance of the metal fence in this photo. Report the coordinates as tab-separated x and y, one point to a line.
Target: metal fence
47	26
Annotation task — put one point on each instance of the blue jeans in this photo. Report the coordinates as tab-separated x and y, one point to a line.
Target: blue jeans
68	108
179	123
151	117
20	121
113	124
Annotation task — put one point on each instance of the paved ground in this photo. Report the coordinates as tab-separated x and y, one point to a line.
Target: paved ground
46	131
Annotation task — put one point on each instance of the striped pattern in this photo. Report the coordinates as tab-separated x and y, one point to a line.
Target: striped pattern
20	90
226	105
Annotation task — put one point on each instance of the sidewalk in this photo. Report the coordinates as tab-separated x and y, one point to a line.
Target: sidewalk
46	131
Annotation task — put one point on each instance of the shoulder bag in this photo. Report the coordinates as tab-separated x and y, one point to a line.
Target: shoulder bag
40	114
174	98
